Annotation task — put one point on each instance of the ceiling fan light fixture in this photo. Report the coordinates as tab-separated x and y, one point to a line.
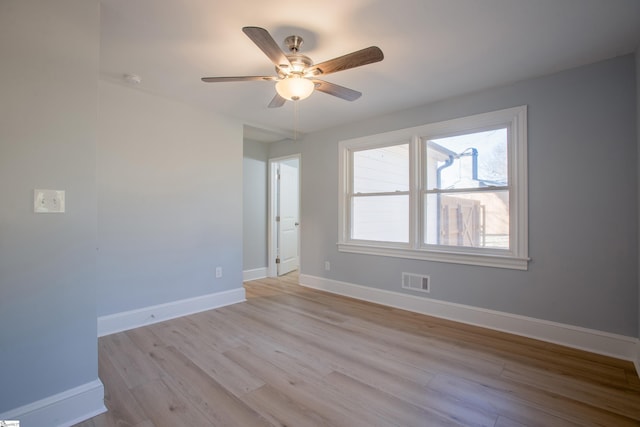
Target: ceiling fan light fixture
295	88
296	75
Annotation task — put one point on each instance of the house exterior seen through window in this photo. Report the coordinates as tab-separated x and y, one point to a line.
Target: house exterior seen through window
380	202
466	197
452	191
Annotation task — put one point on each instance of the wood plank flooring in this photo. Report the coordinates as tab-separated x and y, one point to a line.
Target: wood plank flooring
292	356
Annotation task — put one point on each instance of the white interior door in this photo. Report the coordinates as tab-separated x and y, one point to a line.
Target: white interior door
288	213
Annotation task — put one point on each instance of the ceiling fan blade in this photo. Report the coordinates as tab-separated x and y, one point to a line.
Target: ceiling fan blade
237	79
268	45
337	90
364	56
277	101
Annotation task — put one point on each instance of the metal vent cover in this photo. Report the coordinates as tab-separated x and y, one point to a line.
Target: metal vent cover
416	282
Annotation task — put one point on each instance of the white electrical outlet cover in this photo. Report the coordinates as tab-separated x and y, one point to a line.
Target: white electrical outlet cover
48	201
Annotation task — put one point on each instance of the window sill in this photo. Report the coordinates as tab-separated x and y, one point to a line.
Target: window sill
485	260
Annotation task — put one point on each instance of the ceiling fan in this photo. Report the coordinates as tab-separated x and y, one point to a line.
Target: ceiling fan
297	76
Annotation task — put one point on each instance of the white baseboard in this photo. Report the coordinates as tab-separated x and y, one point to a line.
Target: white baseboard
636	361
605	343
118	322
63	409
255	274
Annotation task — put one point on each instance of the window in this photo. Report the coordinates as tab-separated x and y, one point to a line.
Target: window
380	201
452	191
466	196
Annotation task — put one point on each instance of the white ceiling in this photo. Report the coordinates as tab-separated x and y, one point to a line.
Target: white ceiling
433	49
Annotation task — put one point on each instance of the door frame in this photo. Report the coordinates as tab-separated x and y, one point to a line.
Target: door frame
272	234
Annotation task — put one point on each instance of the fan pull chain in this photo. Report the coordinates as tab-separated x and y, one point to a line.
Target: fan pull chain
295	120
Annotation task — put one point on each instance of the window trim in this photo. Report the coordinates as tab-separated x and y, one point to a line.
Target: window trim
515	258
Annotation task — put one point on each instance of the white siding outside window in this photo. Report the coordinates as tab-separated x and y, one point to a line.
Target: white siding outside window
380	197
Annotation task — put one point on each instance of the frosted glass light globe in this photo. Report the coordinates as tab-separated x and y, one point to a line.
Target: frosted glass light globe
295	88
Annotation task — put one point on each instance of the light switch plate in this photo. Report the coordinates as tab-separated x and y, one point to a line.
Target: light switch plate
48	201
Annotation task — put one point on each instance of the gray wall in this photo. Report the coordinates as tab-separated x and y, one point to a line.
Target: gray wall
583	202
255	216
48	115
638	141
169	200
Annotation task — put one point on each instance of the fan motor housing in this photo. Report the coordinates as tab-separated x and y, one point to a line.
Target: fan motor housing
299	63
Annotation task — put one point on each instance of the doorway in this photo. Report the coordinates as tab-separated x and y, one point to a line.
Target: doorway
284	215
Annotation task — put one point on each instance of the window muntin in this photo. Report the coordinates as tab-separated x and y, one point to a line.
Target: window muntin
484	190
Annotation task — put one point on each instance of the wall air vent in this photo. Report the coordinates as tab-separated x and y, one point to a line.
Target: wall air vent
415	282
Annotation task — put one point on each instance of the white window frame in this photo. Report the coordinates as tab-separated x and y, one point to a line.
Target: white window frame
516	257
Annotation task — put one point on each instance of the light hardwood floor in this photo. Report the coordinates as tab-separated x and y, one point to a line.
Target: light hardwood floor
292	356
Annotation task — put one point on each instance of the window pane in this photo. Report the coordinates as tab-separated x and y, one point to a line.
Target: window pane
381	218
468	161
381	170
477	219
